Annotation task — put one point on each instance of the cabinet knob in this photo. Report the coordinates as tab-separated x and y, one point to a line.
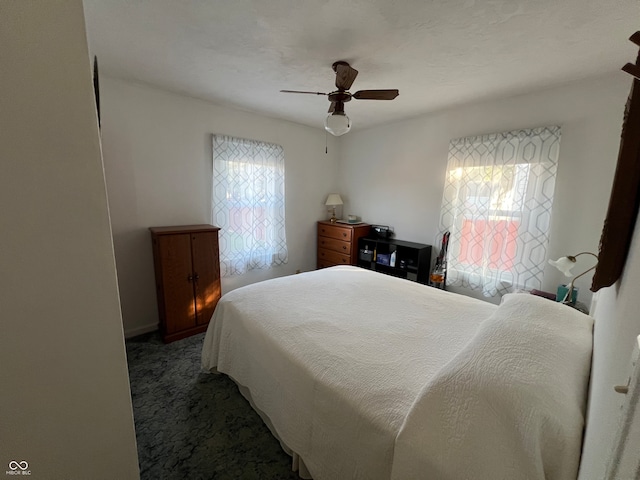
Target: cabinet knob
344	234
189	278
197	277
344	247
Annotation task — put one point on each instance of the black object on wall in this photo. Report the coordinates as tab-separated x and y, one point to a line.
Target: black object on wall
96	87
619	224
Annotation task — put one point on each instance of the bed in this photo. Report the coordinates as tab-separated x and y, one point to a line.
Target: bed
367	376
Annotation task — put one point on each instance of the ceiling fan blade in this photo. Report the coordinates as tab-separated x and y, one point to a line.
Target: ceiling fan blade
298	91
345	75
332	107
376	94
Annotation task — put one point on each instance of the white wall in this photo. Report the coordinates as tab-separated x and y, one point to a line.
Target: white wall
157	155
616	328
394	175
65	406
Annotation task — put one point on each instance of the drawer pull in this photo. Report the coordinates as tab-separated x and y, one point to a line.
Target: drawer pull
344	234
344	247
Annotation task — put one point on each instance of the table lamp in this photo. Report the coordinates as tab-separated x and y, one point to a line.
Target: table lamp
565	264
333	200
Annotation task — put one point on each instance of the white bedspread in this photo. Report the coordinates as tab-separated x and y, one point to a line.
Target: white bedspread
510	405
337	357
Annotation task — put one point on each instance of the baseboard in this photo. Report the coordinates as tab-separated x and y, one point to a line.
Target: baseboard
134	332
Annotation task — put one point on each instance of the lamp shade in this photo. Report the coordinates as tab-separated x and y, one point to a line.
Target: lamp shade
333	199
564	264
337	123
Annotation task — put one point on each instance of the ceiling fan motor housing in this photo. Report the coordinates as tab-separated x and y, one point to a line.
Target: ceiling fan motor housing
339	96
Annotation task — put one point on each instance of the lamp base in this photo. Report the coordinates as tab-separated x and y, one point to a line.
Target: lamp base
333	215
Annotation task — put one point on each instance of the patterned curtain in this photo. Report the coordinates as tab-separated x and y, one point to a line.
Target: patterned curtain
497	205
248	204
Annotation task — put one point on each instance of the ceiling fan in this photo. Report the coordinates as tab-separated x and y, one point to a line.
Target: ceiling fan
337	122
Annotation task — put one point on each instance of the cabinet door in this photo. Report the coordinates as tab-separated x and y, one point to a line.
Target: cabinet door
177	282
206	271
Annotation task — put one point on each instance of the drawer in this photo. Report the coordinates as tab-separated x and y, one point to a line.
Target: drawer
329	256
334	231
325	264
335	245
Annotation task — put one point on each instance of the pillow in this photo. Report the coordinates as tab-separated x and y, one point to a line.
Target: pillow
510	405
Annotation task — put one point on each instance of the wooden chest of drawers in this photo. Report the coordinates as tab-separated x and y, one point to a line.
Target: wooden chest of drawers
338	243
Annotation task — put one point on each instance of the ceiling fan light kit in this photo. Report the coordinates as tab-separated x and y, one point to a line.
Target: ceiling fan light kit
337	122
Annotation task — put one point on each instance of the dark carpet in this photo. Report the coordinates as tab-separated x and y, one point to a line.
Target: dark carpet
192	424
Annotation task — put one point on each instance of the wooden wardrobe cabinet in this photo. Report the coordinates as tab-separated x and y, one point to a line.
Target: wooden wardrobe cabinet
187	270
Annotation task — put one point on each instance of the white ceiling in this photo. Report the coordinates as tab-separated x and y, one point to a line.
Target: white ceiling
240	53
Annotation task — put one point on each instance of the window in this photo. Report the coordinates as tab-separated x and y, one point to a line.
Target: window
248	204
497	205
